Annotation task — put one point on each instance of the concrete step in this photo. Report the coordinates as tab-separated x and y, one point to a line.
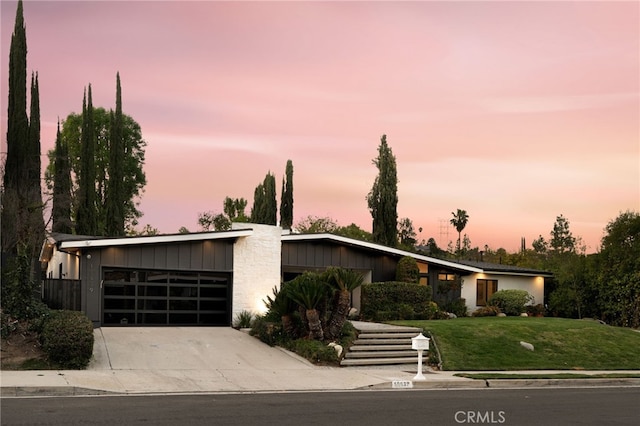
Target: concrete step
378	361
382	354
368	335
390	341
358	348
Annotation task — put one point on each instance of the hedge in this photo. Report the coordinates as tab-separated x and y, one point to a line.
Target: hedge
394	300
67	339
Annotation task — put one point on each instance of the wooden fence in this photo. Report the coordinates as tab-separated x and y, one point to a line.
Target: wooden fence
62	294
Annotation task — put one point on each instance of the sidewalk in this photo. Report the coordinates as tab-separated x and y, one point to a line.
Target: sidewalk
224	360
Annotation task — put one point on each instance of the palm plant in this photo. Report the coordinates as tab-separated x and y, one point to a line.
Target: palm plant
343	281
309	291
459	221
282	306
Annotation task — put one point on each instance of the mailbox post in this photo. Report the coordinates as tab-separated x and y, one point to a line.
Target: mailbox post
420	343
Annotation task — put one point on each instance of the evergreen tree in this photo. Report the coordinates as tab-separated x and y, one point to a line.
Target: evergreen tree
562	240
265	208
86	220
33	168
286	202
383	197
116	199
13	201
61	210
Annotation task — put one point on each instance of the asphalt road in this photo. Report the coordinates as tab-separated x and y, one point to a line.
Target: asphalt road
594	406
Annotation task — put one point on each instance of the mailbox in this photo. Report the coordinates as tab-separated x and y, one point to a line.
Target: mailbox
420	343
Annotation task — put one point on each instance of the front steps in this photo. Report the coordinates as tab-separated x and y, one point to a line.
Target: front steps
380	344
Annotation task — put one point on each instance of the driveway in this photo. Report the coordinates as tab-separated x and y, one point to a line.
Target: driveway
186	348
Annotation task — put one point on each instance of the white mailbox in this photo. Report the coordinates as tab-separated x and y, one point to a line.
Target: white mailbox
420	343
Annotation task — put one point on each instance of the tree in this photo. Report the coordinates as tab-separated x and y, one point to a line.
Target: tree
61	209
22	221
459	221
406	234
540	245
383	197
22	225
343	282
316	225
133	180
353	231
286	201
618	280
234	209
265	207
86	206
561	238
115	196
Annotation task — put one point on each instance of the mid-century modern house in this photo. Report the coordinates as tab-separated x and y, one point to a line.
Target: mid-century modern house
208	278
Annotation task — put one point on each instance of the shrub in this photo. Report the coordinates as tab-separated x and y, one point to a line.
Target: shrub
267	331
67	339
313	350
407	270
383	301
243	320
511	302
457	307
486	311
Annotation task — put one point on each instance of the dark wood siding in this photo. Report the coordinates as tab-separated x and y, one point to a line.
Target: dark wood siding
318	255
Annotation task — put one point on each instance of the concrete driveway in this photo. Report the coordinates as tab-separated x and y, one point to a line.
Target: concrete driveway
186	348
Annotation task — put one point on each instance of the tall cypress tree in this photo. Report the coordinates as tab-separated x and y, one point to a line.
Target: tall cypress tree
86	214
115	199
61	209
17	139
286	202
383	197
33	190
265	206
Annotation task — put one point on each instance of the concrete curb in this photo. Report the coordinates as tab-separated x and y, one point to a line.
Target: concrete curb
25	391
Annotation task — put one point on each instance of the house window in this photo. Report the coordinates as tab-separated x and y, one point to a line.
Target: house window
446	277
484	291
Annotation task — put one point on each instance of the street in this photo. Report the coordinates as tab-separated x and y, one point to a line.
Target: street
589	406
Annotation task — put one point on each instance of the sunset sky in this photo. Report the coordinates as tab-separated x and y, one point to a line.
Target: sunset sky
516	112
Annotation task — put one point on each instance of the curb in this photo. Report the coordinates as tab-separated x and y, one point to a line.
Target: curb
23	391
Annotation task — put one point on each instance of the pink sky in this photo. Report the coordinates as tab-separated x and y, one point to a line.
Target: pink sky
515	112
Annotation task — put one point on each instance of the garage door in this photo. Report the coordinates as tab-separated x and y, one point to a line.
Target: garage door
147	297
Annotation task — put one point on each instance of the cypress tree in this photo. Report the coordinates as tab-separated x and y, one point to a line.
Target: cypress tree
115	198
61	209
383	197
286	202
33	190
265	207
14	180
86	215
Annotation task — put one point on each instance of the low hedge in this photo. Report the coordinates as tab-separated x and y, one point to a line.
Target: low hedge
67	339
394	300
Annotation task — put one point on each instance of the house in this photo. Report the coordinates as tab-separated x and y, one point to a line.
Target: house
207	278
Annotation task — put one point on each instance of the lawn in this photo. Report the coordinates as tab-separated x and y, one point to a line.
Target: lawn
493	343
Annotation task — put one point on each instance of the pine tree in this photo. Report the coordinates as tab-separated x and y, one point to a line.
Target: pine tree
86	217
61	209
286	202
383	197
115	199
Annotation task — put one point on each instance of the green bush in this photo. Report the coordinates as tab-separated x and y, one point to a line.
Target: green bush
457	307
407	270
243	320
385	301
486	311
511	302
313	350
67	339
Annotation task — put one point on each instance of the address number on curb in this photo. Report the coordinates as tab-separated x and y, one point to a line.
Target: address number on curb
402	384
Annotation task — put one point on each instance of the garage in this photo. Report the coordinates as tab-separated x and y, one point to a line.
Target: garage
156	297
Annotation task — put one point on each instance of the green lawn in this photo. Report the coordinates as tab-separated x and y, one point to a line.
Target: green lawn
493	343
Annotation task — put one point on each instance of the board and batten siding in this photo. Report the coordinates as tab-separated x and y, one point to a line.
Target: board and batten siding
208	255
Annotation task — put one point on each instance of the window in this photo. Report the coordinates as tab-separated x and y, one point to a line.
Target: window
484	291
446	277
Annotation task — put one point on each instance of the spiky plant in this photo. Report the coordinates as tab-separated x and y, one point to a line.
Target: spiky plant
343	281
309	291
